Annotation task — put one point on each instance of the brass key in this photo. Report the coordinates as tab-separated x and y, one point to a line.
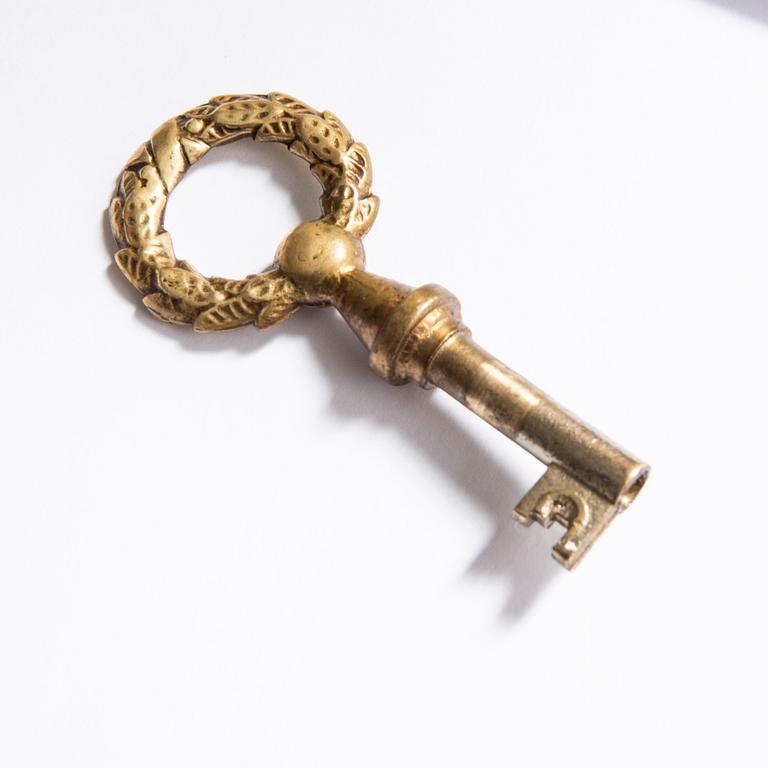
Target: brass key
411	334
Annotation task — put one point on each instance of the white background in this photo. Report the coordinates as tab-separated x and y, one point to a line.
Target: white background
246	550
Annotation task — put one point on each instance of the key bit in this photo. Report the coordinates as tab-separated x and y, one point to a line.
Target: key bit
412	335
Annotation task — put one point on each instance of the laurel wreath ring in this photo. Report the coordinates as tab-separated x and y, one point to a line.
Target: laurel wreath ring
173	290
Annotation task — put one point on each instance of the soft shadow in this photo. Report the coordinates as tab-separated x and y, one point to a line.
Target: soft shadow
519	557
755	9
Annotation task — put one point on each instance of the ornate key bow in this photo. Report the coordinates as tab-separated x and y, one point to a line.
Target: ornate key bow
411	334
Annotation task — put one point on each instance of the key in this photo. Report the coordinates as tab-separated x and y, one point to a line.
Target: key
412	335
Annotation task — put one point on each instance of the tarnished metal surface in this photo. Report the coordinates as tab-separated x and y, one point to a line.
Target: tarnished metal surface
411	334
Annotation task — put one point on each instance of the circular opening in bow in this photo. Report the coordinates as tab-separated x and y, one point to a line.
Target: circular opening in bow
232	209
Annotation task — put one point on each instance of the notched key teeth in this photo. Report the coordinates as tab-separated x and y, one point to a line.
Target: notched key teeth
558	497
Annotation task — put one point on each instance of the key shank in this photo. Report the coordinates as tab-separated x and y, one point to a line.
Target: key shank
418	335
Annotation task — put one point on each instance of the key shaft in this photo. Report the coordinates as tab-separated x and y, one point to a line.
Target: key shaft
418	335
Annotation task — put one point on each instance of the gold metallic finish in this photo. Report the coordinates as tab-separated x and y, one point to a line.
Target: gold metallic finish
411	334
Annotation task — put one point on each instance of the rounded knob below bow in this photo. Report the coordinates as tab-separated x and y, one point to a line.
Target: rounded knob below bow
316	255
